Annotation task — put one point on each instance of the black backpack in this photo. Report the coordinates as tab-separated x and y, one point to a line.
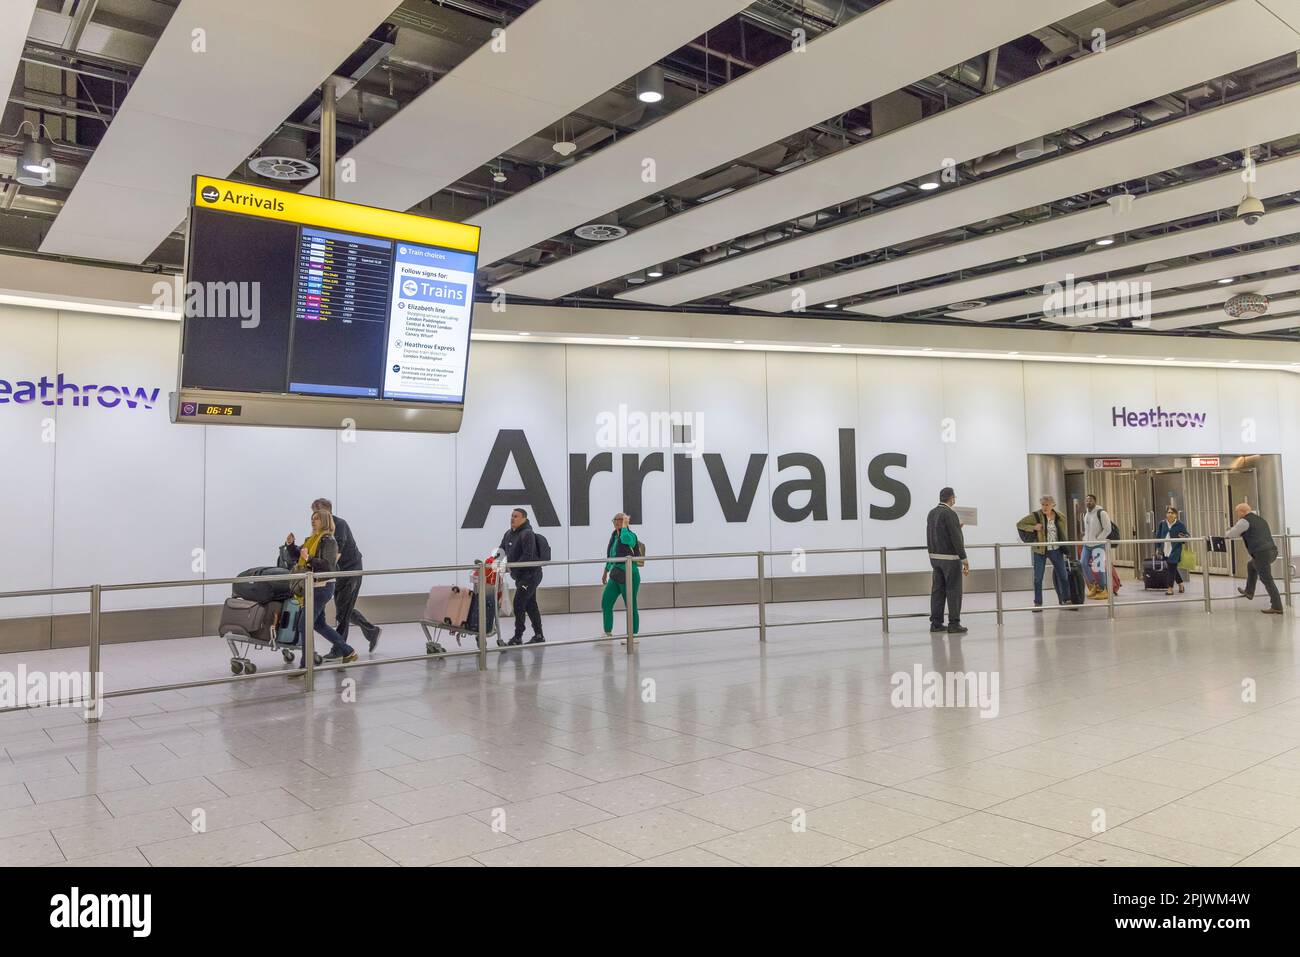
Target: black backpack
543	547
1030	535
1114	535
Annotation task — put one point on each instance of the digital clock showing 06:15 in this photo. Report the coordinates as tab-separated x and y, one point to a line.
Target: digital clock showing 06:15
219	410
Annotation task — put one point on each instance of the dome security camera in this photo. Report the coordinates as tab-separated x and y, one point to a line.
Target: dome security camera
1250	210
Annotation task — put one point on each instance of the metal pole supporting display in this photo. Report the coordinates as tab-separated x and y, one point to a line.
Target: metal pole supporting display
997	578
1110	573
1286	567
95	689
480	596
629	607
762	604
1205	577
884	591
309	631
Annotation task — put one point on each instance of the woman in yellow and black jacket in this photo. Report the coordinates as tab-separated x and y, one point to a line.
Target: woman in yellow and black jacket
320	553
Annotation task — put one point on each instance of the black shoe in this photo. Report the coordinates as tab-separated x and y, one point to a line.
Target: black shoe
536	640
516	640
957	629
373	636
1245	594
334	655
1038	607
937	629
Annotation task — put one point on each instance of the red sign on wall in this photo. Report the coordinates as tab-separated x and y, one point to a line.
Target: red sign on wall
1205	461
1112	463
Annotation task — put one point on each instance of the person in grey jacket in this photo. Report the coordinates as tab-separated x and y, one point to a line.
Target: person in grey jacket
947	549
1258	538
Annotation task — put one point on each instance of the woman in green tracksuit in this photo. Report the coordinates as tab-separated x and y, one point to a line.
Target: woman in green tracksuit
622	543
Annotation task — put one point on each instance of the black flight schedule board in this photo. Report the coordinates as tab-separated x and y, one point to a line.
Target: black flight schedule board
302	296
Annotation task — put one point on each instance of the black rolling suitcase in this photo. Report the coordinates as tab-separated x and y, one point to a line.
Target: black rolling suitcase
1076	588
1156	574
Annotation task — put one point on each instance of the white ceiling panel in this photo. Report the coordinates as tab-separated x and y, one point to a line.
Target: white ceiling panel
875	53
15	21
1275	324
1217	41
1223	267
1186	242
496	100
1214	132
202	111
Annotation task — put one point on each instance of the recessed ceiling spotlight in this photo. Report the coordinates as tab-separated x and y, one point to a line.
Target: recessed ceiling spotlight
525	333
929	182
636	278
927	349
1226	280
634	337
650	84
1101	357
1105	240
738	342
831	305
1169	358
1022	259
836	346
655	272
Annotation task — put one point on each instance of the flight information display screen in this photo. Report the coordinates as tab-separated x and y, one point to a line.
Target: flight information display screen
309	309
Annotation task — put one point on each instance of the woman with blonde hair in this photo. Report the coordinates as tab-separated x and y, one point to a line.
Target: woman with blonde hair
622	544
320	553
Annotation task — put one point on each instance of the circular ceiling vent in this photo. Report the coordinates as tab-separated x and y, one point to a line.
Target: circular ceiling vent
600	232
967	304
1246	305
284	158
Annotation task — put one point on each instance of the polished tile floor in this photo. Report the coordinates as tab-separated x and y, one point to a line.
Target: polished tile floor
1165	736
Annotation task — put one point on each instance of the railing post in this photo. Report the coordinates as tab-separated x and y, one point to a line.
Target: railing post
628	600
997	578
1286	566
480	596
1205	577
762	603
884	591
309	631
1110	572
95	690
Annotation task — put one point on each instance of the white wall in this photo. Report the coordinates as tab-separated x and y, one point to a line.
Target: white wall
124	495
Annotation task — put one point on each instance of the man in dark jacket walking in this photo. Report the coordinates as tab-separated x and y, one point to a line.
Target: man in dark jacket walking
347	589
520	545
1258	538
947	548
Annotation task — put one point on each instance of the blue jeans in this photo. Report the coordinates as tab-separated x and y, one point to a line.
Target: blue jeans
1100	579
321	596
1059	576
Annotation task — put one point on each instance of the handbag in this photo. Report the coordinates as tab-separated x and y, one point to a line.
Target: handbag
1186	561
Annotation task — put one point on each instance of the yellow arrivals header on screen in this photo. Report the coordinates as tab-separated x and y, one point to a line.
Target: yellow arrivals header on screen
228	196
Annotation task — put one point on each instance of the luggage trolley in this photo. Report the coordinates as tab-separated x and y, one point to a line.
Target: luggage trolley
498	604
273	622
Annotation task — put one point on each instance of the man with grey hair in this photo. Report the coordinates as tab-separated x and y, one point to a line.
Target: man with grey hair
1048	528
1258	539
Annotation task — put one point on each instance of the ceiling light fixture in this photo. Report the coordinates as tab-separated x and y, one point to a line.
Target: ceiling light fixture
737	342
655	272
929	182
832	305
636	279
1105	240
650	84
1226	280
35	168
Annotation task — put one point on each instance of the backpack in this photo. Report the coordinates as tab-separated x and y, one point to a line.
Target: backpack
1114	529
543	547
639	551
1029	536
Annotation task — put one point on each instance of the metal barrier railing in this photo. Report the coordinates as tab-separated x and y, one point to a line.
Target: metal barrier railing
311	579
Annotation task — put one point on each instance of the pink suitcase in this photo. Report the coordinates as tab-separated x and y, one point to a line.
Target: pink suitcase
448	605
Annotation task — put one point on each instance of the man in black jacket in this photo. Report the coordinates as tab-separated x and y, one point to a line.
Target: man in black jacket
520	545
947	548
1262	548
347	589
